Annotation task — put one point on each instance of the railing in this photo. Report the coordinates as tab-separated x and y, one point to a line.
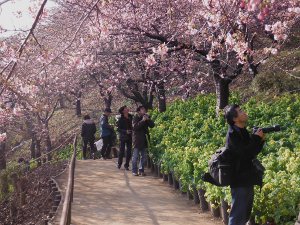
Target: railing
298	220
66	212
40	158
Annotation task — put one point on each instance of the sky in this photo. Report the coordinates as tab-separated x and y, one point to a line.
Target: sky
9	18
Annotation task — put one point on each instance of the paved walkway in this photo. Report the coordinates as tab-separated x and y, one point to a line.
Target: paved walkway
105	195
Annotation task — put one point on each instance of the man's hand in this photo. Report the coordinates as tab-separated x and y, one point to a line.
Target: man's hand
145	117
260	133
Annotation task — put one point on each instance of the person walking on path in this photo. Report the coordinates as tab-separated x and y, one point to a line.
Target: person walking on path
244	149
124	127
88	131
107	132
141	124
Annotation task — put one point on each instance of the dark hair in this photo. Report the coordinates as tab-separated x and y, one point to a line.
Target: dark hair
230	113
86	117
139	108
121	109
107	110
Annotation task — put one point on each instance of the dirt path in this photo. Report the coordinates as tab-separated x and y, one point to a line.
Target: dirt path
105	195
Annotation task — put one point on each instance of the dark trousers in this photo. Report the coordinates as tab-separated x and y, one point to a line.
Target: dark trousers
85	144
106	148
241	205
128	144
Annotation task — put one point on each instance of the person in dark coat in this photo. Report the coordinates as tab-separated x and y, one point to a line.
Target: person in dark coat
88	131
107	132
243	148
124	128
141	123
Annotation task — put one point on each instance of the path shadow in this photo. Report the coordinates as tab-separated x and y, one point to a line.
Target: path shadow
145	205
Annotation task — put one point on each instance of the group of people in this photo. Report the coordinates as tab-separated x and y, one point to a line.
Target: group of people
133	134
134	131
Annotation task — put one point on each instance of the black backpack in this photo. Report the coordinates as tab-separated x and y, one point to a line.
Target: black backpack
221	168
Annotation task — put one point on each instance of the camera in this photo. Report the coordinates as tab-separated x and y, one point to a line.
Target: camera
274	128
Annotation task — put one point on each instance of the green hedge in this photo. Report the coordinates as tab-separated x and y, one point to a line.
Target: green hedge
188	133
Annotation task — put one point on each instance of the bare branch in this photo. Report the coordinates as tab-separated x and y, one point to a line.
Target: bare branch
288	72
74	36
53	110
4	1
20	50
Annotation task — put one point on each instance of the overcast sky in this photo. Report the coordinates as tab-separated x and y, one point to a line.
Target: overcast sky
9	14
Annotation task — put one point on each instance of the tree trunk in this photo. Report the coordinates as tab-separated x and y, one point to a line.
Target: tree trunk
62	102
108	100
78	103
31	132
38	150
222	92
13	212
48	142
147	101
222	85
32	148
22	195
142	96
161	96
3	176
78	107
148	105
2	156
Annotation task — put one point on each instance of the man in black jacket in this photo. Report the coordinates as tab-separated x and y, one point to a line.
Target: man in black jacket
244	148
124	127
88	131
141	124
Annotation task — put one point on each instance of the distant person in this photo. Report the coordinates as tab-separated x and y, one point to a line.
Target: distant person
88	131
107	132
124	128
141	124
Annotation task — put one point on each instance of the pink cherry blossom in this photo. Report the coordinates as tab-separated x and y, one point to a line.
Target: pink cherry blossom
150	60
2	137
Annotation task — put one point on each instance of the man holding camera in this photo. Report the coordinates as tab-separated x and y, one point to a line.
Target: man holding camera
141	124
243	148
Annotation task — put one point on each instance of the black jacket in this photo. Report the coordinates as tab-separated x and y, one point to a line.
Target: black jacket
244	148
124	124
88	130
141	131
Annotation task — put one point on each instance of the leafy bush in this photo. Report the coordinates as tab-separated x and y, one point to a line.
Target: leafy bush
188	133
66	152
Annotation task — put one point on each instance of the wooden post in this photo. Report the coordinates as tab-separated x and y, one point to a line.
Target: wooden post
298	221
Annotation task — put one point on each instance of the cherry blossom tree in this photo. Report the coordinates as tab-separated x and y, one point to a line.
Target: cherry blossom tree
230	36
161	39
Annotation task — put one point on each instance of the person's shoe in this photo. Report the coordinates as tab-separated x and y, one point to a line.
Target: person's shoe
126	167
118	166
142	174
135	174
